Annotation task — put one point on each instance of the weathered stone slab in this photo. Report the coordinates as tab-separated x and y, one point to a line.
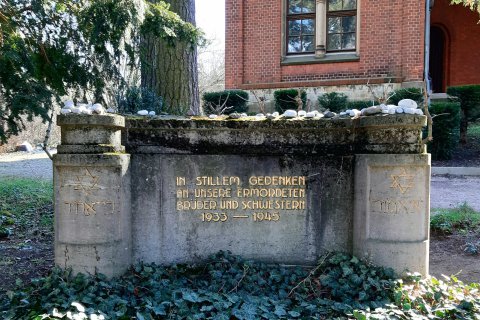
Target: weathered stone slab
276	209
392	210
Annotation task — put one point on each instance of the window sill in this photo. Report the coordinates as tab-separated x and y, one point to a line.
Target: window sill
311	59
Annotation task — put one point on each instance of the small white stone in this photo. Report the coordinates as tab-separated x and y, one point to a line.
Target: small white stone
310	115
419	112
143	112
399	110
86	111
302	113
65	111
409	110
392	111
276	114
68	104
97	108
243	115
408	103
110	110
343	113
354	113
260	115
76	110
213	116
290	114
78	306
151	113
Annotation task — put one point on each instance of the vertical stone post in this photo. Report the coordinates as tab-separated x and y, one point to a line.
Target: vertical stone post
392	210
92	195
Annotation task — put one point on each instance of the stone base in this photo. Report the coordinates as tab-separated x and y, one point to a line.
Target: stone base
92	213
392	211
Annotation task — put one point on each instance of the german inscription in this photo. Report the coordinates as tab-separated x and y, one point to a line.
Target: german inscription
225	198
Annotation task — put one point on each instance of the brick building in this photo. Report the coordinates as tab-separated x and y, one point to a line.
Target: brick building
455	46
341	45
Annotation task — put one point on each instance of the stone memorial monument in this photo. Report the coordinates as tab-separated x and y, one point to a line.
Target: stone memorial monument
175	190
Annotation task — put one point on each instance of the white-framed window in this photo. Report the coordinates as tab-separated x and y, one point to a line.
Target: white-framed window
321	26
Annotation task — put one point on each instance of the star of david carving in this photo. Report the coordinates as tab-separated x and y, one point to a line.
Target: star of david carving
403	181
86	182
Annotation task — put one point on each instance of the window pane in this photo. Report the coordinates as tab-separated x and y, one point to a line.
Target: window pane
294	27
349	4
294	6
308	26
334	42
308	6
348	41
294	44
349	24
308	43
334	25
334	5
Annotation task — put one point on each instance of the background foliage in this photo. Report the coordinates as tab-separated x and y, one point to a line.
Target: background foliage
445	129
89	49
232	100
285	99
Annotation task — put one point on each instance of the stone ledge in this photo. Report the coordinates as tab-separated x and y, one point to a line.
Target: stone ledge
379	134
107	120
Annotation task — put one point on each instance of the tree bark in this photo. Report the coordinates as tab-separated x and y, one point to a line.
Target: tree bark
171	71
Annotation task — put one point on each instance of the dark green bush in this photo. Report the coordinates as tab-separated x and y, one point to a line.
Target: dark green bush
445	129
415	94
225	102
285	99
139	98
359	104
469	97
333	101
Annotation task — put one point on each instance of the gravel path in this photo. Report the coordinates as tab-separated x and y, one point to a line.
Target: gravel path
26	165
450	191
446	191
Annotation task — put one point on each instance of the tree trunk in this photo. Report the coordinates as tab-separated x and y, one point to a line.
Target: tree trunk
171	71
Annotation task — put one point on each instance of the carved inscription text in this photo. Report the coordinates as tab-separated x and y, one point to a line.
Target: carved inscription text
222	198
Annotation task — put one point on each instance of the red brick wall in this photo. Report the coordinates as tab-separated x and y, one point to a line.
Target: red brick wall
391	46
463	42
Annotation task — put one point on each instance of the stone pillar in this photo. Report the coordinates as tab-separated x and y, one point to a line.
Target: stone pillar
392	210
92	195
320	25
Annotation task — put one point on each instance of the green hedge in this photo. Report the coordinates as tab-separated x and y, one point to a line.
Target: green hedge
237	101
333	101
285	99
469	97
445	130
359	104
415	94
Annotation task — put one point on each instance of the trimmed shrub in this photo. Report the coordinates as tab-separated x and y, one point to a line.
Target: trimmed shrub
285	99
469	97
333	101
415	94
139	98
360	104
225	102
445	129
